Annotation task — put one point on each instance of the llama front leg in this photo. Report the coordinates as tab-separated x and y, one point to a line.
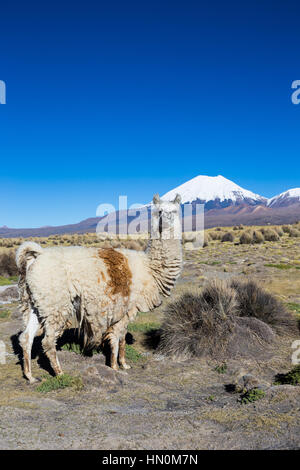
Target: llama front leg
116	338
26	341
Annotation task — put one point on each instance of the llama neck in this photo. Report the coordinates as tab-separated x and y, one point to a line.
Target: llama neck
165	261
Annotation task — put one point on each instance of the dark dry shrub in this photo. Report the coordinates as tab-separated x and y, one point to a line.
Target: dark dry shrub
279	231
294	233
207	239
196	325
256	302
270	235
235	227
286	228
258	237
8	265
227	237
209	324
132	245
246	238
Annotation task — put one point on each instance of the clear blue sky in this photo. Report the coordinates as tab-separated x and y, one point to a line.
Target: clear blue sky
125	97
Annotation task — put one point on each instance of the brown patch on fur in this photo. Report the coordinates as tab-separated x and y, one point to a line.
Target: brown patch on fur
103	277
118	271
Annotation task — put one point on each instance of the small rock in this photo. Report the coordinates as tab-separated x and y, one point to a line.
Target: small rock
250	381
10	294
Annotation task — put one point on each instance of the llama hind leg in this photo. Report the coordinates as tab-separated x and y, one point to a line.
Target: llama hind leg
49	346
113	341
122	352
123	324
26	340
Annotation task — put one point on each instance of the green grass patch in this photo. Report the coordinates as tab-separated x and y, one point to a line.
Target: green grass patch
59	382
211	263
292	377
221	369
252	395
5	313
142	327
72	347
211	398
132	354
279	266
7	281
294	307
78	349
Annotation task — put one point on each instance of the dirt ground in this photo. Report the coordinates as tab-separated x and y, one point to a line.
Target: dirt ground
161	403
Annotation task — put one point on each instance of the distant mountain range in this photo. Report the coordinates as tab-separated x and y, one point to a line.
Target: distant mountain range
225	204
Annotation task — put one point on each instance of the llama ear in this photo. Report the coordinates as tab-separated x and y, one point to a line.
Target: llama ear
177	199
156	199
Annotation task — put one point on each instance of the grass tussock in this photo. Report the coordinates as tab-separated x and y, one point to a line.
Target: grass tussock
8	265
258	303
225	319
270	235
246	238
228	237
196	325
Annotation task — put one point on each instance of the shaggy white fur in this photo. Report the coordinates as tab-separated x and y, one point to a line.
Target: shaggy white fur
101	289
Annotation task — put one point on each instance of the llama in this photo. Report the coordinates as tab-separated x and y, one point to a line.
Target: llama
101	289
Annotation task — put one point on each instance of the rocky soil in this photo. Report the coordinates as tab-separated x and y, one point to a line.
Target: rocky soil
160	403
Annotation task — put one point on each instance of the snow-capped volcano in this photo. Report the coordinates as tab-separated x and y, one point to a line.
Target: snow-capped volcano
214	191
292	196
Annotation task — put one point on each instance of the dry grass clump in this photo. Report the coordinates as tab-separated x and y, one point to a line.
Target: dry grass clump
207	239
279	230
226	319
270	235
196	325
227	237
258	303
214	235
294	232
286	228
246	238
258	237
132	245
8	265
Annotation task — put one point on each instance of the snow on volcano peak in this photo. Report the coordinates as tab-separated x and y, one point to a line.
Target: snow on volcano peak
286	198
213	188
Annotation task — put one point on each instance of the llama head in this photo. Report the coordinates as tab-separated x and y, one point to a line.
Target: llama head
166	218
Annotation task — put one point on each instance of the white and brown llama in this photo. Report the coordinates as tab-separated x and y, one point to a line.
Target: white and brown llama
102	289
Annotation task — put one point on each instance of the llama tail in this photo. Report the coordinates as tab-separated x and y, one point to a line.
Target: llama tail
26	252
